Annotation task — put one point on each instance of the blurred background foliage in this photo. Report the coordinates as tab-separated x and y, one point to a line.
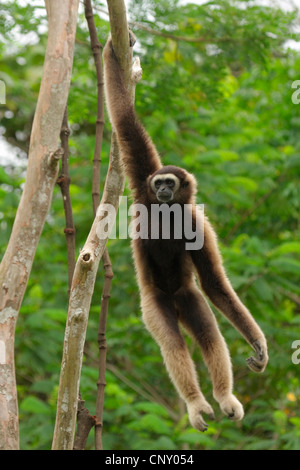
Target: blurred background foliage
221	106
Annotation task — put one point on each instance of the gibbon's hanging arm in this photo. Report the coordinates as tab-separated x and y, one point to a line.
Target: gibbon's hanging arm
165	268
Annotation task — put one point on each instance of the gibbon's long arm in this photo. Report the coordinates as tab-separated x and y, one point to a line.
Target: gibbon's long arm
217	287
138	152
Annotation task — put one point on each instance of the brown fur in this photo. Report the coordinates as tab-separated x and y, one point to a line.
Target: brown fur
166	271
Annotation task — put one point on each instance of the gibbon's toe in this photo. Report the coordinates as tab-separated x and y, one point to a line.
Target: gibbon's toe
255	365
258	363
232	408
195	415
198	422
207	409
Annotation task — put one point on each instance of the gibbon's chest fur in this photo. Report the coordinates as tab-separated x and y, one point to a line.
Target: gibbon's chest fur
166	261
166	258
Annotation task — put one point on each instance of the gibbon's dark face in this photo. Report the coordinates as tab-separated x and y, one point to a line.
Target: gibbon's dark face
169	183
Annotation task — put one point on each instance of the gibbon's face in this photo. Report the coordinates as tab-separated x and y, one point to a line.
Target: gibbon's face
165	187
170	185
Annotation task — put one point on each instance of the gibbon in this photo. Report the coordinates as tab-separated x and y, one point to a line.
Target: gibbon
167	271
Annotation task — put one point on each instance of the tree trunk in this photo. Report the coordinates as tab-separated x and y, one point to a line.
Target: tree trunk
35	201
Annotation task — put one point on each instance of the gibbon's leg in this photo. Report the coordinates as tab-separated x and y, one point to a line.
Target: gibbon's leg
216	285
197	317
160	319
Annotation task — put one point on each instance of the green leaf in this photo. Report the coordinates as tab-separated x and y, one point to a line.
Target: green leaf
151	407
285	248
163	443
286	265
280	418
246	183
32	404
42	386
228	155
151	423
192	436
264	290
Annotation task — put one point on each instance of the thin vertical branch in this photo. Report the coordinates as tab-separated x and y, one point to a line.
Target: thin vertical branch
96	49
64	182
108	276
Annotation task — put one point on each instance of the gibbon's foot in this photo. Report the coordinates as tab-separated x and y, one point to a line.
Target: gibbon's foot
195	409
232	408
258	363
132	39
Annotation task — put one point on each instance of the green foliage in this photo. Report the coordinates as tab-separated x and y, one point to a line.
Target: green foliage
221	108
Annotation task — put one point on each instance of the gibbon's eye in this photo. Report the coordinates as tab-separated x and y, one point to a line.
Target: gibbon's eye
157	183
170	182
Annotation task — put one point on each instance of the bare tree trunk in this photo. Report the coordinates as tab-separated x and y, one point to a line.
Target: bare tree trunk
35	201
88	262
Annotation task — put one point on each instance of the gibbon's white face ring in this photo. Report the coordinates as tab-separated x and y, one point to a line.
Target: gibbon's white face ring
164	177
